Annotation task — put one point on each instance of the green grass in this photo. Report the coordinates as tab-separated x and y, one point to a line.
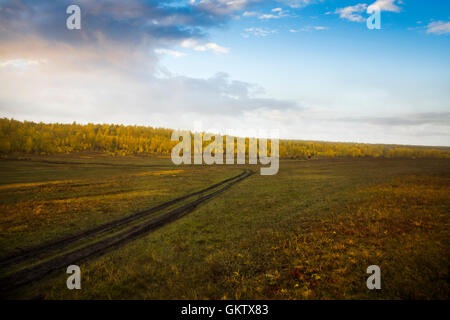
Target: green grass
308	232
49	198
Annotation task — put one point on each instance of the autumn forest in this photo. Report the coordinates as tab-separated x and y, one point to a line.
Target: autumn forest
46	139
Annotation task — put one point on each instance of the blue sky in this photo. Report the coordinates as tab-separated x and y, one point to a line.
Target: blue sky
310	69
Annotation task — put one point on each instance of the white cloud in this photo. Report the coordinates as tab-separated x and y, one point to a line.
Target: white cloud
223	7
438	27
259	32
214	47
297	3
105	95
173	53
268	16
210	46
20	63
249	14
352	13
277	13
383	5
309	28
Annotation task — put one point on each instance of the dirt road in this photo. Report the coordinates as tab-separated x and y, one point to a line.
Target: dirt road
104	244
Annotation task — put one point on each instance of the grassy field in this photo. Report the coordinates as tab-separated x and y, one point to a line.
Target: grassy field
48	198
308	232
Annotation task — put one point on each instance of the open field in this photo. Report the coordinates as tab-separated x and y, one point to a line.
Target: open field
44	199
308	232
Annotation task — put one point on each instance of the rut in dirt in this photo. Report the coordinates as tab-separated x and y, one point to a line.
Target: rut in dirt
51	246
98	248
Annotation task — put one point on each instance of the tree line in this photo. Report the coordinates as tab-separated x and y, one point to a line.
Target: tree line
42	138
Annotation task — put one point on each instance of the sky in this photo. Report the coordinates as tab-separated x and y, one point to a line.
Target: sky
309	69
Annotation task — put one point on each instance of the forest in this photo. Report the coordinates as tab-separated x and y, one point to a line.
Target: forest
25	137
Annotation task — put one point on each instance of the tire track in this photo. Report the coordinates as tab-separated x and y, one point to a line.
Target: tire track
36	272
61	243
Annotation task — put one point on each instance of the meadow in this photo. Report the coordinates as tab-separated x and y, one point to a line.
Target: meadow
308	232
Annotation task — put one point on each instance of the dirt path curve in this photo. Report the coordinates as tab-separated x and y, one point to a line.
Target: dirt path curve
38	271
